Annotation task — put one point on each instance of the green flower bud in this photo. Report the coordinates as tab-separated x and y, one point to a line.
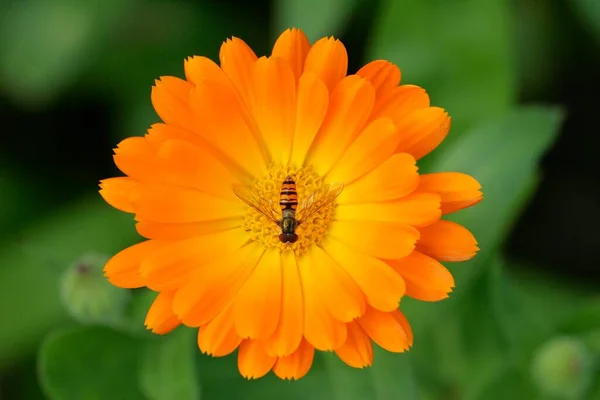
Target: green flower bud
562	368
88	296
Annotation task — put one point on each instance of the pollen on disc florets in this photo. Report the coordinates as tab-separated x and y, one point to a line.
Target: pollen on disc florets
310	232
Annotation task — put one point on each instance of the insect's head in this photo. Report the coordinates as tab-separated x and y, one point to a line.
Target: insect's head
288	238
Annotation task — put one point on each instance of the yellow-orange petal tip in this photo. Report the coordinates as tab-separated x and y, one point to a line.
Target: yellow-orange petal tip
160	318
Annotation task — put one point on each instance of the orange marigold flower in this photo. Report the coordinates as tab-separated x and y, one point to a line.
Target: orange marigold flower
319	261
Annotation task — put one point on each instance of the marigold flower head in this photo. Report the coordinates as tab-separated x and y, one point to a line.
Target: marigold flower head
360	228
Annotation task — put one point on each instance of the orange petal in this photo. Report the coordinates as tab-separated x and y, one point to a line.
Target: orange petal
312	103
253	360
186	165
292	45
383	75
237	59
447	241
357	352
381	285
288	335
215	284
164	231
328	59
221	120
170	98
395	178
422	131
160	133
174	162
160	318
198	69
426	279
399	102
296	365
417	209
378	239
134	146
274	106
457	190
339	293
401	318
218	338
349	108
375	144
173	204
173	264
123	269
118	192
387	329
320	328
257	307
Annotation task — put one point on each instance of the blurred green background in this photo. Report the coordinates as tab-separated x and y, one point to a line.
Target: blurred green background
521	79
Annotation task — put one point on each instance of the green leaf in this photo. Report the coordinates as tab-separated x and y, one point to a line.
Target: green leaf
551	303
220	379
459	51
437	354
595	391
168	369
492	333
484	348
537	55
45	45
136	311
35	264
21	381
512	384
526	315
94	363
589	12
19	197
591	339
503	156
390	377
519	318
585	318
316	18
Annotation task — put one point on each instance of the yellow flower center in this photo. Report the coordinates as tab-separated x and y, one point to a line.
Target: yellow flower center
311	230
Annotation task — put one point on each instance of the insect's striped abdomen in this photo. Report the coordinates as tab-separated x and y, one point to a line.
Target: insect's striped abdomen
288	198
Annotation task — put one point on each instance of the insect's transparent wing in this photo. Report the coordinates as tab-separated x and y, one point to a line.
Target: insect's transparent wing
254	200
318	199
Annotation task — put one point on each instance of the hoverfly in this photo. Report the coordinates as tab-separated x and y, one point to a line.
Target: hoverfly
288	203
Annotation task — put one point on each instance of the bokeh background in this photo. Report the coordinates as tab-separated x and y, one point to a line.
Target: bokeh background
521	79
